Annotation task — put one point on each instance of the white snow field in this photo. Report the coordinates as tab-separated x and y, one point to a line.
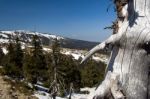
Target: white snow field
44	95
5	34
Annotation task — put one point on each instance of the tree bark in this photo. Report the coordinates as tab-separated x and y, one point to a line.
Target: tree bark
128	68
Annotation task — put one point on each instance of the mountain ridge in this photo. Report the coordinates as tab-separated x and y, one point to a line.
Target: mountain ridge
46	38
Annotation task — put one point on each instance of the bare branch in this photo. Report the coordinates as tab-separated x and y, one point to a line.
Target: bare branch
92	51
111	40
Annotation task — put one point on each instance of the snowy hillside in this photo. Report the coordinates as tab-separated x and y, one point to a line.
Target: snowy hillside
76	54
24	35
70	46
44	95
46	38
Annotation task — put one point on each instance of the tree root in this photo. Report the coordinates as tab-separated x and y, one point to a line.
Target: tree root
110	88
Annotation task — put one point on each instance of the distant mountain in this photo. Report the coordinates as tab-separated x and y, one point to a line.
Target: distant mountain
46	38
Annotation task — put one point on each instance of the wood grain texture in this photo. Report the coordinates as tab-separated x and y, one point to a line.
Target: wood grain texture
130	57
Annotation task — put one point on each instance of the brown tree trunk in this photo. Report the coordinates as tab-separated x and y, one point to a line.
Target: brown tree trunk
130	59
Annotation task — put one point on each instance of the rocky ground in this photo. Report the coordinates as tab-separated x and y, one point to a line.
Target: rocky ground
7	92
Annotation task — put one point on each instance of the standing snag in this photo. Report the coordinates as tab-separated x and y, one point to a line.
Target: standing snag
128	67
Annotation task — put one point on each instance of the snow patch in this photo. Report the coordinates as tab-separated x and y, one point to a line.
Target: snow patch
4	40
21	32
45	95
77	54
7	32
4	35
51	36
4	50
47	49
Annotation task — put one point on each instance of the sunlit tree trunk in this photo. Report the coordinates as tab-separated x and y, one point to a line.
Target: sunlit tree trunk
130	59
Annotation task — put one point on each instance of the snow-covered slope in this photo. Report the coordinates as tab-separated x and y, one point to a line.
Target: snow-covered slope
24	35
46	38
44	95
76	54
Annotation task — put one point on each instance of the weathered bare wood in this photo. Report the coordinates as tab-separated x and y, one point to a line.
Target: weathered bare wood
130	58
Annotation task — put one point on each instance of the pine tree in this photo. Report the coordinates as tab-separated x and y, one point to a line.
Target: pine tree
18	54
92	73
28	68
65	70
35	66
18	57
54	88
13	60
69	72
1	56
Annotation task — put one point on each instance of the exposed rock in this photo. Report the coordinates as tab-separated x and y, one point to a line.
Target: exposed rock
6	91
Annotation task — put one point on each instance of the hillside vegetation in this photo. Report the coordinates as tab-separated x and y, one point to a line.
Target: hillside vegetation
33	66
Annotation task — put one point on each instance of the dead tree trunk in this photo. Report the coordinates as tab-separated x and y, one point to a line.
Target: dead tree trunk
130	58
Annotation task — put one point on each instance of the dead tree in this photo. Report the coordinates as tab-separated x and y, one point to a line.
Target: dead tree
54	86
71	91
127	75
57	84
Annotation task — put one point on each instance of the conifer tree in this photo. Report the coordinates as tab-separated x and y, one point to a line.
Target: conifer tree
14	58
18	53
54	88
65	70
69	72
18	57
28	68
8	59
92	73
1	56
35	65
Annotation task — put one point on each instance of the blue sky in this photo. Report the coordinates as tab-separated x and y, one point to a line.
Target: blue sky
80	19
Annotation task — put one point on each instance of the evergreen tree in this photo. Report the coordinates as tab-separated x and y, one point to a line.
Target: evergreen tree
8	59
18	57
53	89
13	60
69	72
55	56
35	66
92	73
1	56
64	70
50	70
18	54
29	69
